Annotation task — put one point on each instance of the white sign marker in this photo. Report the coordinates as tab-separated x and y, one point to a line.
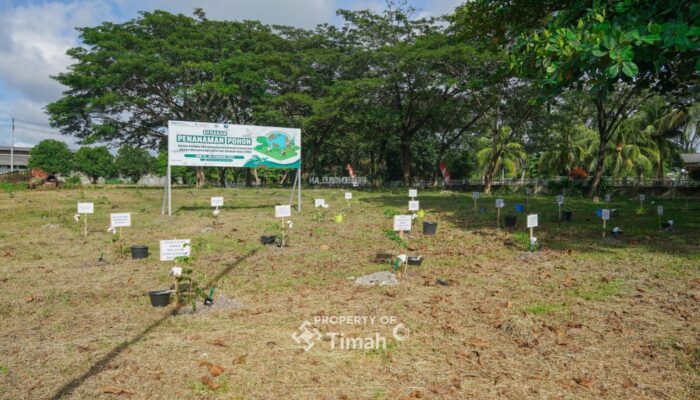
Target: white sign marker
283	211
319	202
500	203
532	221
642	197
475	195
217	201
607	198
413	205
402	222
348	195
120	220
172	249
412	193
560	199
660	210
86	208
605	214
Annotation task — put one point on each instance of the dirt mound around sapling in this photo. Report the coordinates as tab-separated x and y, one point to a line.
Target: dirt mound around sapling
221	303
382	278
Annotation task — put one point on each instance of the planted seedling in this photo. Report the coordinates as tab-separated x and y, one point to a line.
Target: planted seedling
532	223
187	288
397	262
284	212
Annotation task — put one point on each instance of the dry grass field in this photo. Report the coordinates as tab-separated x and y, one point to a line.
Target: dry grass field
580	319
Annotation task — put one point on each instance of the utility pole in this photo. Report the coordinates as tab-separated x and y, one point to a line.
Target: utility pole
12	148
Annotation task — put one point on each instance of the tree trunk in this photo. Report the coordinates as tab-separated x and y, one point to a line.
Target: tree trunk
600	160
201	179
222	176
248	178
255	175
406	160
488	175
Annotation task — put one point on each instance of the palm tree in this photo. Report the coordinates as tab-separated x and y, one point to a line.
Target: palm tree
631	152
572	146
670	128
509	157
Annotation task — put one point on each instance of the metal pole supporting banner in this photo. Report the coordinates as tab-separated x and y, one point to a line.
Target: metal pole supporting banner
299	190
291	194
170	192
165	193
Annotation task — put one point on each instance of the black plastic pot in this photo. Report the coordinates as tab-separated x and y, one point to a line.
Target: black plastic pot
413	260
566	216
510	221
268	239
159	298
138	252
429	228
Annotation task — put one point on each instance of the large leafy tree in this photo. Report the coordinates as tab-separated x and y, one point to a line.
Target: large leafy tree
615	50
52	156
95	162
134	162
129	79
397	78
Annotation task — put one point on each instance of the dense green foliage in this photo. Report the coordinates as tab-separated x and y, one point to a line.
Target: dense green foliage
502	88
52	156
134	162
95	162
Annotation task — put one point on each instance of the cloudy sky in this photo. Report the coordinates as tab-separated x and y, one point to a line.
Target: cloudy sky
34	36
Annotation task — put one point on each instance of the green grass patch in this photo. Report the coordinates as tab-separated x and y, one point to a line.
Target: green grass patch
542	308
599	290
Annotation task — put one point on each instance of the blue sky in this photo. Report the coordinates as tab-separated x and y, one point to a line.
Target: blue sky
34	36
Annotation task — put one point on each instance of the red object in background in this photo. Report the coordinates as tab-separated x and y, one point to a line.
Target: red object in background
351	171
445	172
39	173
578	173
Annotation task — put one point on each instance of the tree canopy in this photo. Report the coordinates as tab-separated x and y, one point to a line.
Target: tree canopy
497	88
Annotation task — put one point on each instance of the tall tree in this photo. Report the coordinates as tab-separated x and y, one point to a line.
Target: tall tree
52	156
614	50
134	162
95	162
129	79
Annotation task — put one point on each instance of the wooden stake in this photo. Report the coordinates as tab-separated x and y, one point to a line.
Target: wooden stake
498	217
604	226
474	206
85	225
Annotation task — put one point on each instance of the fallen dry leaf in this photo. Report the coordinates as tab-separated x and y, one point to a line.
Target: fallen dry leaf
114	390
584	381
241	359
218	342
628	383
28	299
210	384
214	369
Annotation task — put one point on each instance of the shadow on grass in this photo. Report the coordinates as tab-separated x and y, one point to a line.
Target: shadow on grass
582	234
102	363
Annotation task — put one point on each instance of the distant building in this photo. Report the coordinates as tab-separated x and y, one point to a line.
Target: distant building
691	161
21	158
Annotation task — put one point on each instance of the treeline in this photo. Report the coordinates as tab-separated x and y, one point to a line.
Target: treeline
55	158
498	88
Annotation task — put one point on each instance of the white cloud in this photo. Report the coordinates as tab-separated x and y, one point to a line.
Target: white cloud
34	38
